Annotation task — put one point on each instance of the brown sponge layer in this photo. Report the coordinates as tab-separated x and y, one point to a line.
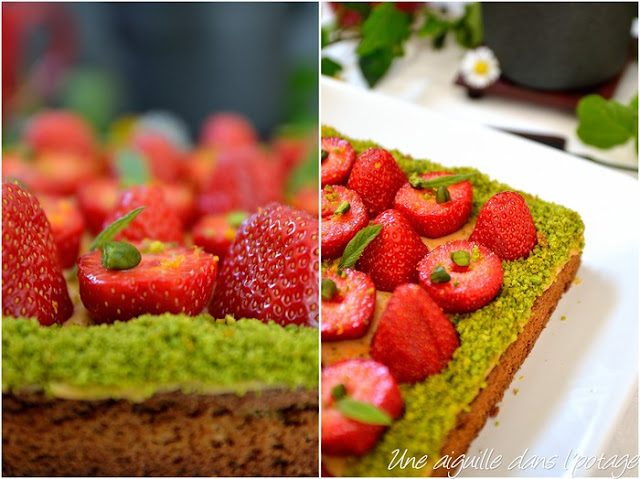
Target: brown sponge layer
271	433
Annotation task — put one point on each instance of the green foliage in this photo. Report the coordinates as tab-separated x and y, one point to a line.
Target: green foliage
607	123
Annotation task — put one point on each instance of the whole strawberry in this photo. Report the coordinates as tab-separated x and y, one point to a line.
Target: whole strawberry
97	198
163	157
32	280
158	221
67	226
271	269
414	338
391	258
505	226
376	177
228	130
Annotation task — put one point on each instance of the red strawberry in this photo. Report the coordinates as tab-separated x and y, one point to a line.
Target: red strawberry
376	177
363	380
180	199
343	215
430	218
347	305
156	222
67	226
32	280
198	167
164	159
506	227
60	131
391	258
293	148
306	198
461	276
97	198
215	233
167	280
338	157
228	130
271	270
414	338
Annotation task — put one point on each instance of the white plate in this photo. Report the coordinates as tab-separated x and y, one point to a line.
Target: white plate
577	381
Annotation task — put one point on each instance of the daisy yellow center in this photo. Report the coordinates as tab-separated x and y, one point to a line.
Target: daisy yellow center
481	67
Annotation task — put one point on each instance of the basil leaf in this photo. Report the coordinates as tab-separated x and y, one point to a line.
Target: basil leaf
110	232
358	243
420	183
363	412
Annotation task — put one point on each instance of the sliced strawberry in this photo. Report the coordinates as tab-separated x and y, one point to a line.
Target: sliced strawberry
430	218
97	198
67	226
343	215
167	280
413	338
32	280
157	222
461	276
506	227
228	130
376	177
180	199
60	131
362	380
391	258
215	233
271	270
348	301
338	157
165	160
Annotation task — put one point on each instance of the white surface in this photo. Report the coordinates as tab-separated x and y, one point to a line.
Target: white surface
579	378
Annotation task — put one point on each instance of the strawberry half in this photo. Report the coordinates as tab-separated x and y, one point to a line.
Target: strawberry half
376	177
271	270
363	380
157	222
32	280
430	218
97	198
338	157
167	280
391	258
506	227
413	338
461	276
215	233
348	301
343	215
67	226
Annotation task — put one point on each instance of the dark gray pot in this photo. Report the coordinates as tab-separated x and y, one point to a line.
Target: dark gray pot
559	46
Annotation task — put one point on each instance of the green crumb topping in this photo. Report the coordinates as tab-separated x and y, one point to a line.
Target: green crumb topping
432	406
150	354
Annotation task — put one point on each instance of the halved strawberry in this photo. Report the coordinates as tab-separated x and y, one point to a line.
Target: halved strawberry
215	233
157	222
506	227
414	338
348	301
338	157
97	198
391	258
32	280
427	215
376	177
167	280
362	380
343	215
461	276
67	226
228	130
271	270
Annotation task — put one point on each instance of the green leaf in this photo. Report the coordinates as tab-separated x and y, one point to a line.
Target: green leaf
468	30
358	243
606	123
110	232
375	65
330	67
306	173
420	183
385	28
363	412
132	168
433	25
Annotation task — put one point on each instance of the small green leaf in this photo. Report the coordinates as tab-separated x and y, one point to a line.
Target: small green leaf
119	255
343	208
442	195
433	25
330	67
328	289
440	275
385	27
420	183
374	65
363	412
358	243
461	258
468	29
235	218
111	231
338	392
606	123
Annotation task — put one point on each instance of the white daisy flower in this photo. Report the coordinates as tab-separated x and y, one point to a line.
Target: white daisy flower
480	68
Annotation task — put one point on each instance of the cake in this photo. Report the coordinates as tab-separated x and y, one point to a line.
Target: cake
445	412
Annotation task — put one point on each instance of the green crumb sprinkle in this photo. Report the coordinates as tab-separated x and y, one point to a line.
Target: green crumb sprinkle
154	353
563	318
433	405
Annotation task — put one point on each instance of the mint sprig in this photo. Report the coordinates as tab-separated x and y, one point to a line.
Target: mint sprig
420	183
111	231
607	123
358	243
359	410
